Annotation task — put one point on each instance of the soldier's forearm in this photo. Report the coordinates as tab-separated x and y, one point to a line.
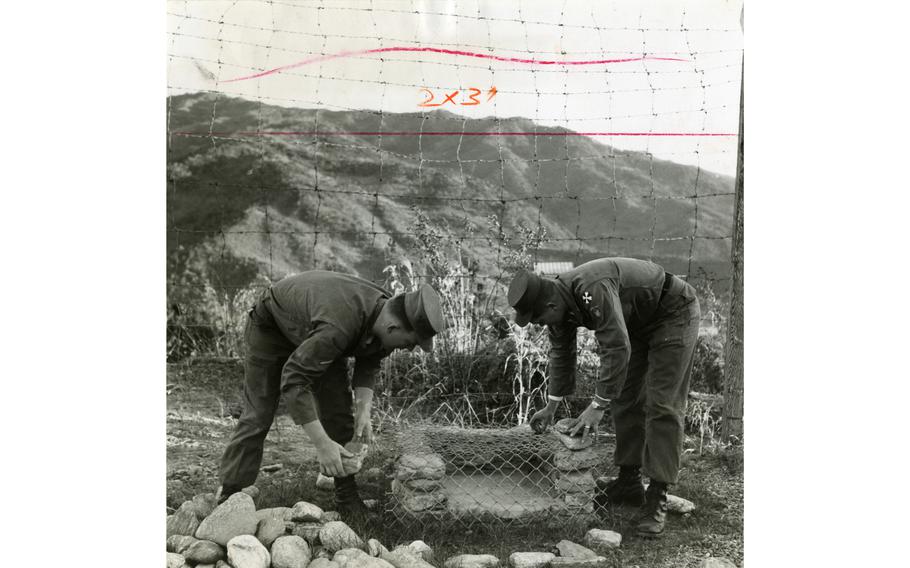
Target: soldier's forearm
316	433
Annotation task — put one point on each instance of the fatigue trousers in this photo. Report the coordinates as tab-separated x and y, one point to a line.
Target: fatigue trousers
649	413
266	352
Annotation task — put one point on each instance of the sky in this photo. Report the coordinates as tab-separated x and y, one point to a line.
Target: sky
688	81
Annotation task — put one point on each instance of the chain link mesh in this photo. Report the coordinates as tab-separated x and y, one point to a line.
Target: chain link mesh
493	476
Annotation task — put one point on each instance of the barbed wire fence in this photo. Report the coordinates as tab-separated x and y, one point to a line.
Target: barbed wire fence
276	165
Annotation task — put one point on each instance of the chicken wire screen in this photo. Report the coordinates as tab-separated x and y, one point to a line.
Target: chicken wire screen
494	476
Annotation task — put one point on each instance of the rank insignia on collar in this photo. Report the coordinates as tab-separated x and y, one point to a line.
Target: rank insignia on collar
586	297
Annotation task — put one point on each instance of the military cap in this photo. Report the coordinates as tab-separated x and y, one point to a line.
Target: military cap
528	294
424	313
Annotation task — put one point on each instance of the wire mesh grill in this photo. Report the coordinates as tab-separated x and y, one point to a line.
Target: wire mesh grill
493	476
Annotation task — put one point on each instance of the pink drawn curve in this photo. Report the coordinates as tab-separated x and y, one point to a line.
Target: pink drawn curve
448	52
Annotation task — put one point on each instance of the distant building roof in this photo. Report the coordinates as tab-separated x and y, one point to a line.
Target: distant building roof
552	268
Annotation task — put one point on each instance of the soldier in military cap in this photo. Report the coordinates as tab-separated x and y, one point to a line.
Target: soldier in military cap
646	322
299	336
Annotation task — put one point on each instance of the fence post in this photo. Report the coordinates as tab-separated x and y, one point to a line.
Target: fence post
732	426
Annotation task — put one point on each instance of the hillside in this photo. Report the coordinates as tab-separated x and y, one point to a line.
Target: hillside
281	204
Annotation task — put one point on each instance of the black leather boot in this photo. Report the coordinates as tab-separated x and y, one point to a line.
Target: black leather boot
653	514
347	497
627	489
226	491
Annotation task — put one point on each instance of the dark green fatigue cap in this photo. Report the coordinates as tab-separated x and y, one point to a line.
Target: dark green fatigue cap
424	314
528	294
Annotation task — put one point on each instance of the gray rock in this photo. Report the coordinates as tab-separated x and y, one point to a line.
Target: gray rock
307	531
271	468
354	464
423	485
572	562
179	542
531	559
584	501
330	516
252	491
323	563
574	443
602	540
405	557
375	548
269	529
716	562
204	552
320	552
567	460
304	512
575	482
679	505
290	552
472	561
416	502
324	483
356	558
419	466
175	560
234	517
280	513
423	549
336	535
569	549
222	564
244	551
183	521
204	504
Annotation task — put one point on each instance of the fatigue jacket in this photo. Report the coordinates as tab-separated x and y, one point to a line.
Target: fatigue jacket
329	316
613	297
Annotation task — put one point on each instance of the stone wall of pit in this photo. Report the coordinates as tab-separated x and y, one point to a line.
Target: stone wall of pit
506	475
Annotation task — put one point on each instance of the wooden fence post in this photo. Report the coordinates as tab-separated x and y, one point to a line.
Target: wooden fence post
732	426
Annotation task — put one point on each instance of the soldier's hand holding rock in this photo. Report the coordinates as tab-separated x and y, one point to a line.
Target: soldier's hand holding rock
587	421
329	454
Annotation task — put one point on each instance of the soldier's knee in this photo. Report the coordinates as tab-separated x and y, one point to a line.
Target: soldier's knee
255	424
664	408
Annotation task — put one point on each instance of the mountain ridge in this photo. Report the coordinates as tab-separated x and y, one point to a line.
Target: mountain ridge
243	205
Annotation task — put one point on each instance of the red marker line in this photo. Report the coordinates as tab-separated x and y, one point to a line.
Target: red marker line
319	58
414	133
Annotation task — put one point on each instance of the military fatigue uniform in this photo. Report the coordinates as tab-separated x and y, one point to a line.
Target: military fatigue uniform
646	324
299	336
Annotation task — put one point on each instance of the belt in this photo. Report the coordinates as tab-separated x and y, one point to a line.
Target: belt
668	281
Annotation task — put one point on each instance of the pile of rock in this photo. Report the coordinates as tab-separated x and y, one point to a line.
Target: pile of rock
573	464
418	482
236	535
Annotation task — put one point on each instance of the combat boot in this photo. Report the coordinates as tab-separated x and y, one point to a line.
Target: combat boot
627	489
224	492
653	514
347	498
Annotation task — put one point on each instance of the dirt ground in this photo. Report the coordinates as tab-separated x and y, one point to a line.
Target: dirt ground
203	397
